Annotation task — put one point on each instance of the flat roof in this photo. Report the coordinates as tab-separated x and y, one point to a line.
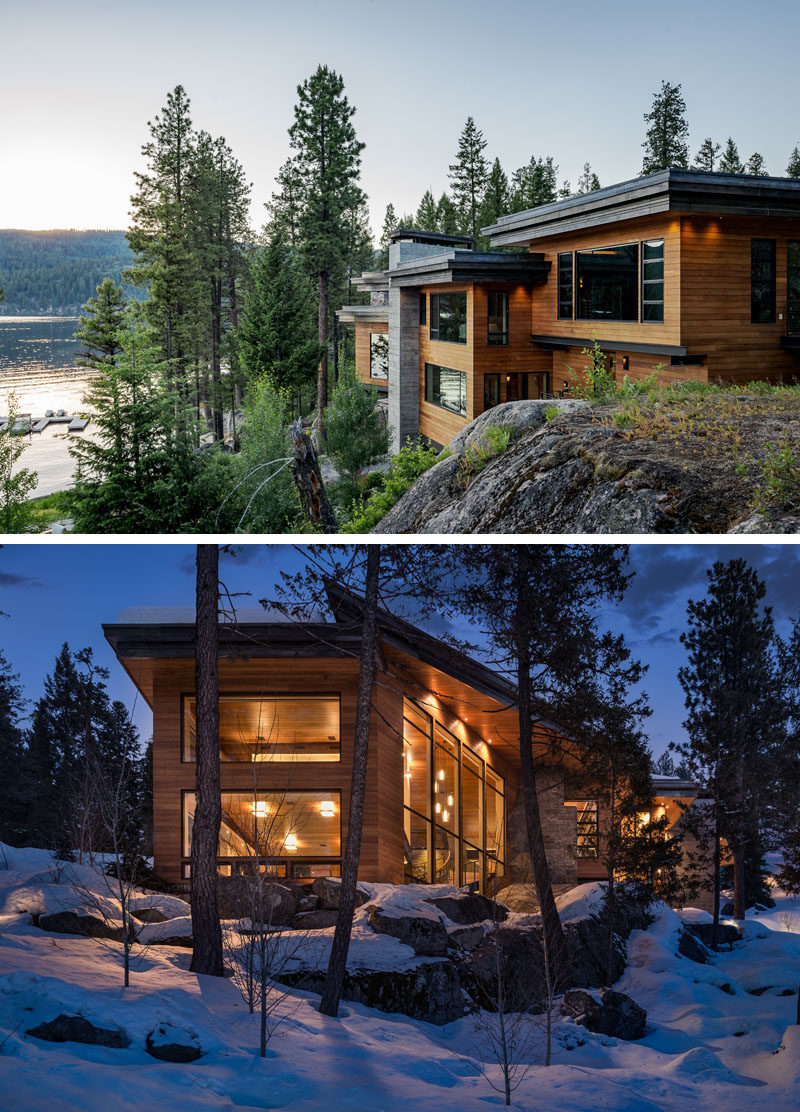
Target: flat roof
471	266
349	314
419	235
672	190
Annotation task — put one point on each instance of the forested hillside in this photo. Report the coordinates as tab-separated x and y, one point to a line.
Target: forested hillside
57	271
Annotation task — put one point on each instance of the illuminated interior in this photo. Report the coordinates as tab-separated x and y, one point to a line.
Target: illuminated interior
454	811
588	826
255	728
262	827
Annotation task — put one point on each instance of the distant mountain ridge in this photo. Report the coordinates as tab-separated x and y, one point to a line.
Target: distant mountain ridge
56	272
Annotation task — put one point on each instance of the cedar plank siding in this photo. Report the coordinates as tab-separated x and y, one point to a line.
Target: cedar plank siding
363	330
715	297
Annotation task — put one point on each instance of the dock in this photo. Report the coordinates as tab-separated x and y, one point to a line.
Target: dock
25	422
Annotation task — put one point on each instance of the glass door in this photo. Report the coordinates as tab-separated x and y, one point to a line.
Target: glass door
793	287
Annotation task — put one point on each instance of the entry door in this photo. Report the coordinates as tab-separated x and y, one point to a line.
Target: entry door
793	286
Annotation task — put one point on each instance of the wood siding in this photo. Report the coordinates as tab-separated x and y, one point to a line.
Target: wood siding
715	297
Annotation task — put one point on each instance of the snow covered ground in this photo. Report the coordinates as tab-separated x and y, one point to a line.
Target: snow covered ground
711	1043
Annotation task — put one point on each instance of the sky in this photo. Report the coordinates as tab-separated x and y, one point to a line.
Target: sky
80	80
53	593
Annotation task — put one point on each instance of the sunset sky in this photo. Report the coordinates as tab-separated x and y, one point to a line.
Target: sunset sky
57	592
79	82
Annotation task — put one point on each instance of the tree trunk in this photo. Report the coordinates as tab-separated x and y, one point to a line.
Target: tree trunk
309	483
337	965
553	935
335	349
717	862
739	897
206	931
322	371
611	890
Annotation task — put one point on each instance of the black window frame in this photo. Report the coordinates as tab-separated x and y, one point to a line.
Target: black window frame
769	282
492	379
423	309
649	283
497	339
563	269
373	377
435	317
634	291
430	368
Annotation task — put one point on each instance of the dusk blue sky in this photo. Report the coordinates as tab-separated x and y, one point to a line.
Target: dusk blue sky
80	80
54	593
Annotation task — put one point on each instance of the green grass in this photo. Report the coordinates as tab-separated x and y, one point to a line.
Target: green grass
44	511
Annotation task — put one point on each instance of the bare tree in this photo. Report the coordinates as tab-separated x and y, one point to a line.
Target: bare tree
206	931
368	668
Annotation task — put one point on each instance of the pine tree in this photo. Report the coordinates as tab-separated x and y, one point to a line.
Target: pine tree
446	216
425	218
665	142
277	335
16	482
534	184
287	203
706	157
496	199
328	158
469	175
756	166
389	225
98	326
15	786
588	182
730	163
357	432
793	169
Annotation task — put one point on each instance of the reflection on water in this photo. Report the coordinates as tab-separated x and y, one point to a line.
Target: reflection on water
37	364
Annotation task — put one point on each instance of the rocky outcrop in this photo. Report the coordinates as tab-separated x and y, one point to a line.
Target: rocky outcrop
606	1013
469	908
73	922
431	991
727	933
239	898
328	890
149	915
74	1028
173	1044
580	472
320	918
426	935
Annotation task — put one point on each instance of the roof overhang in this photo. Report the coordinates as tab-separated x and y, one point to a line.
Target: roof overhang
557	343
670	190
368	314
472	266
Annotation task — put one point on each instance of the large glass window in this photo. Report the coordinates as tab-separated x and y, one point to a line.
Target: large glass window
378	355
447	388
588	826
653	281
762	281
793	286
449	317
273	824
608	283
565	286
491	390
423	308
257	728
497	318
454	807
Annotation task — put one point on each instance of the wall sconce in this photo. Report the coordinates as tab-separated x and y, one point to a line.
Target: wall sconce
327	809
626	362
260	808
290	842
449	801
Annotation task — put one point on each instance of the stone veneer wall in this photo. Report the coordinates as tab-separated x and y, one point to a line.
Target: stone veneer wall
559	824
403	365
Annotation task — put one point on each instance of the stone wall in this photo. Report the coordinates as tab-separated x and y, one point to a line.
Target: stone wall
560	831
403	366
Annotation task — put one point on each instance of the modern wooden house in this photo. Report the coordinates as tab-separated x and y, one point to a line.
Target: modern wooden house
442	801
693	274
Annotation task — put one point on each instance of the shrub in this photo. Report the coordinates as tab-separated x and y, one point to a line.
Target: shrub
598	382
355	431
406	467
493	442
779	483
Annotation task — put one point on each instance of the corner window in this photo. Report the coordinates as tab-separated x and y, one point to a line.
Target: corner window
379	355
588	826
284	824
607	279
446	388
491	391
653	281
262	729
423	309
497	318
565	286
449	317
762	281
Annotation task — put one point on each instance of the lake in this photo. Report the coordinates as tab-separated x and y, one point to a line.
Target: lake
37	364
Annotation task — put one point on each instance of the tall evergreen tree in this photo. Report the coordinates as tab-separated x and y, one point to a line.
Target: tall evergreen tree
706	157
735	710
277	335
390	223
99	325
793	169
15	786
16	482
446	216
588	182
425	218
756	166
730	163
287	203
665	142
534	184
328	159
496	199
469	175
